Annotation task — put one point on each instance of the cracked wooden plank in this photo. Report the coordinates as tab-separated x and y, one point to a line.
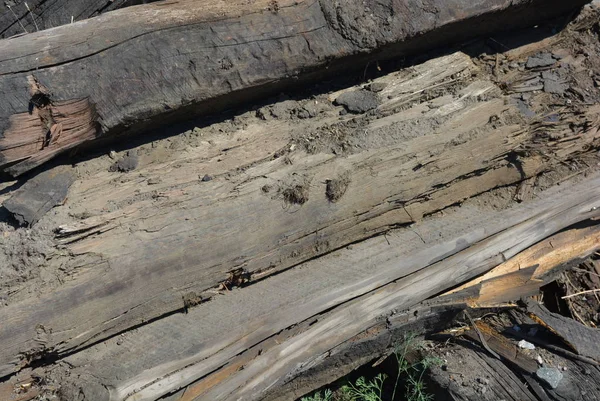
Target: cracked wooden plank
359	287
182	239
153	70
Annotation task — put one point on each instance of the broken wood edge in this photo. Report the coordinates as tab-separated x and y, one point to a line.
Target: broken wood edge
582	339
375	342
531	267
94	229
383	334
502	346
50	128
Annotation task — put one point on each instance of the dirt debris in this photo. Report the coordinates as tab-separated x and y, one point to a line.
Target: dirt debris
127	163
24	252
358	101
337	187
296	194
376	86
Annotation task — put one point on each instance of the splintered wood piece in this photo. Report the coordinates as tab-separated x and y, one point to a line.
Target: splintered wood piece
526	273
509	351
35	137
582	339
37	196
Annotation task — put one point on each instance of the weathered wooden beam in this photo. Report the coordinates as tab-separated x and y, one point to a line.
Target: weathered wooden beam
135	68
274	366
367	282
432	315
312	320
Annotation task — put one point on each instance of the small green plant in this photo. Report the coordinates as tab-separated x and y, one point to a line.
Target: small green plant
372	390
364	390
413	372
327	396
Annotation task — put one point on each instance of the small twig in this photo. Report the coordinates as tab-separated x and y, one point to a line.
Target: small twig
591	273
481	338
17	18
32	17
571	308
580	293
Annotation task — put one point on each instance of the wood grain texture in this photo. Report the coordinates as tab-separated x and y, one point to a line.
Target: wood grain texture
149	250
166	60
501	382
582	339
280	362
361	287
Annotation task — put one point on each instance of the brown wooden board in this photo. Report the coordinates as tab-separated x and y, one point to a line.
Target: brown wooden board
137	68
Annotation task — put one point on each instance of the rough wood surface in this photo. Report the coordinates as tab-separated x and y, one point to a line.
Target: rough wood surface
582	339
152	250
379	278
497	381
281	361
136	67
500	381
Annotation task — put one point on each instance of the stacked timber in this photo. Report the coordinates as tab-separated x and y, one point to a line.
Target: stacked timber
263	255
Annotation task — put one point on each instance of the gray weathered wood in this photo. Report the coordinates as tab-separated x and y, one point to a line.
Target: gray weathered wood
502	380
280	362
38	195
364	285
138	67
582	339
